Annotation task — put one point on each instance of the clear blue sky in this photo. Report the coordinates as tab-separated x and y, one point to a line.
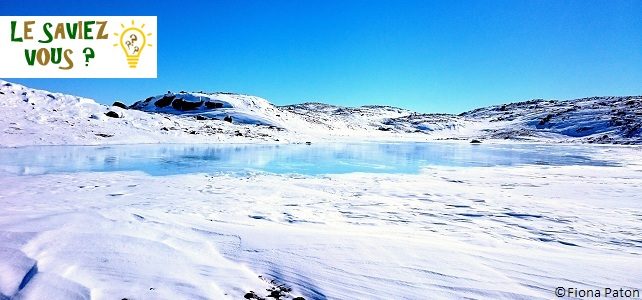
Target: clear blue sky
430	56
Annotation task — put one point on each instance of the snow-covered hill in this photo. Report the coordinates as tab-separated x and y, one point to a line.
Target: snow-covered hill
338	118
36	117
240	108
593	120
392	120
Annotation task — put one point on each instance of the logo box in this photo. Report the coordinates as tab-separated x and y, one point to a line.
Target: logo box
78	47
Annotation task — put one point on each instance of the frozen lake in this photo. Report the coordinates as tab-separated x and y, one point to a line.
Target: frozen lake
479	222
315	159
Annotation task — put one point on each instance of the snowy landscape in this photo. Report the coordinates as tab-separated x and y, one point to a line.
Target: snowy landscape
198	195
35	117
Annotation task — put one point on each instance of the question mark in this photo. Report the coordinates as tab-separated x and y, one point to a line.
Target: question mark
89	53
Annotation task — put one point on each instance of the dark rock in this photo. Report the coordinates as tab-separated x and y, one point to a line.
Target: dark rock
112	114
633	130
308	143
104	135
201	118
213	105
120	104
164	129
298	298
192	132
384	128
475	142
148	99
182	105
616	122
165	101
51	96
1	93
276	294
583	128
238	133
228	119
545	120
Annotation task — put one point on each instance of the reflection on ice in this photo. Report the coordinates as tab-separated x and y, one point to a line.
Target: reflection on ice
301	159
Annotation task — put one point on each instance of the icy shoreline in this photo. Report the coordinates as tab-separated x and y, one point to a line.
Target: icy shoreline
491	232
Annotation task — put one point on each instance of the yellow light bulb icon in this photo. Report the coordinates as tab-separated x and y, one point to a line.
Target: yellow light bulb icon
132	41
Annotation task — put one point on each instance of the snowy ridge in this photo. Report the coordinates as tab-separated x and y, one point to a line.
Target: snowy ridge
241	108
338	118
595	119
392	120
604	120
35	117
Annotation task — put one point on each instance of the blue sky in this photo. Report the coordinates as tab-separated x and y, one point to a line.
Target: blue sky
430	56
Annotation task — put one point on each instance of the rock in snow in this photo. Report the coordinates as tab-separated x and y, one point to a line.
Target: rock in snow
112	114
120	104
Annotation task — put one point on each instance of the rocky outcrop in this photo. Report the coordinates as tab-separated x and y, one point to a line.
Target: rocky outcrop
113	114
120	104
182	105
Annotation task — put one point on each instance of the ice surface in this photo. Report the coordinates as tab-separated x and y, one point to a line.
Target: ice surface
326	158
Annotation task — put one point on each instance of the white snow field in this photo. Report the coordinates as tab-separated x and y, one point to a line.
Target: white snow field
446	232
477	233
